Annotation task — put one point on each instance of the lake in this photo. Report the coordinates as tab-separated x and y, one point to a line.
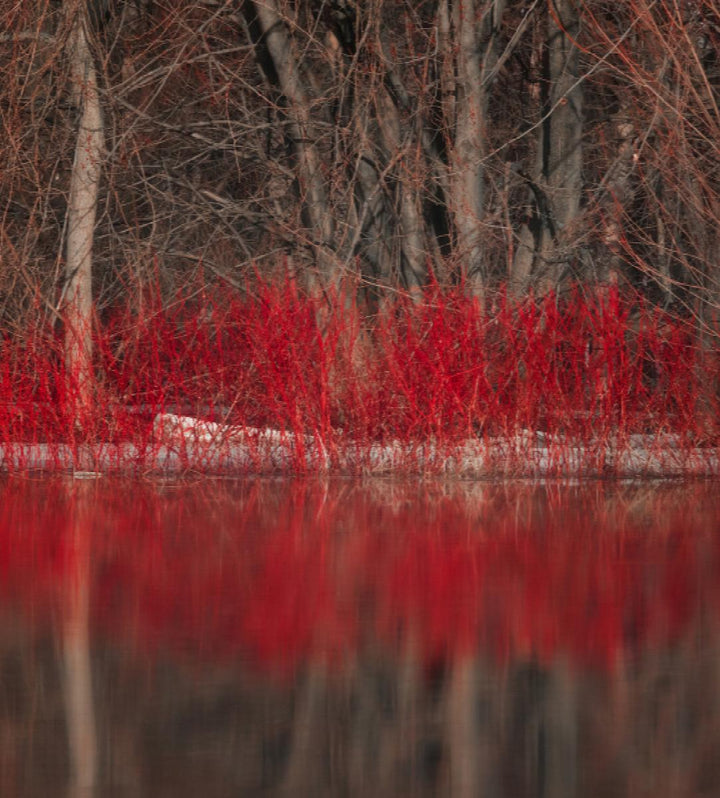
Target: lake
339	637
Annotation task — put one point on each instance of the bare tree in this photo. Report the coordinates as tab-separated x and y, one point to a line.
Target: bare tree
310	172
479	140
82	208
548	241
470	32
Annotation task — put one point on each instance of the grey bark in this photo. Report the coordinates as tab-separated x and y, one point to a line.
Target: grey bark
81	214
617	192
371	221
562	142
473	34
412	246
546	244
310	172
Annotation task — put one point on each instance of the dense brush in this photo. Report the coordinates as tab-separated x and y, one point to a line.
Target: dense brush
581	370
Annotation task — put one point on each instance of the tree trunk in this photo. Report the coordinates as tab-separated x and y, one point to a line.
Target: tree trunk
411	246
472	36
547	242
81	214
562	135
310	171
617	195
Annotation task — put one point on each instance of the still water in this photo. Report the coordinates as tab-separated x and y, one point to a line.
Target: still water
343	638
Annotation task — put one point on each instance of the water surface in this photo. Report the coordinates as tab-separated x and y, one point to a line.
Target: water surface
381	638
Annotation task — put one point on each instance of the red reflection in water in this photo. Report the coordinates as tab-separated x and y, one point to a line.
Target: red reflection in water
281	572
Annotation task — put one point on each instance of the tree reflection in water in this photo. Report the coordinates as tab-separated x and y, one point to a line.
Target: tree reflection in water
271	637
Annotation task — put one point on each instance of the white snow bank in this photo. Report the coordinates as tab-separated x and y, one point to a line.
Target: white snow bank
186	444
527	453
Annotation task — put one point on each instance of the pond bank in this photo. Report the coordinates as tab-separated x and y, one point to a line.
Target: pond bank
180	444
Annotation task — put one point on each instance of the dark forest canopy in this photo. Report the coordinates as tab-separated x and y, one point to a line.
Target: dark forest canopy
527	143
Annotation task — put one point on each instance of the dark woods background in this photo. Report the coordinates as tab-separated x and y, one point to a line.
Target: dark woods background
520	143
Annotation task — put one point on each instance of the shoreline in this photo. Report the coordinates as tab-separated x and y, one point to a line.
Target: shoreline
185	444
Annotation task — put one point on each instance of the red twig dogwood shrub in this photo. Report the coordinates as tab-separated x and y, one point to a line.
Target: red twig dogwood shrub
560	378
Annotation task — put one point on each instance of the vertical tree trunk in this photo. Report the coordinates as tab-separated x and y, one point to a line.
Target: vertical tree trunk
371	222
562	134
81	214
412	243
472	34
618	192
563	128
546	242
466	181
310	172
